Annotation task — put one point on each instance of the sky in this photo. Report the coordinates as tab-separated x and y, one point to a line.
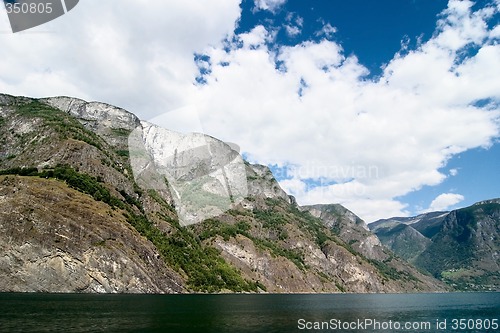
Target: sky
388	107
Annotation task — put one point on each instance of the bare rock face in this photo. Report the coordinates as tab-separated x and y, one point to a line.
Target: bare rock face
95	115
350	228
263	183
113	124
205	176
60	240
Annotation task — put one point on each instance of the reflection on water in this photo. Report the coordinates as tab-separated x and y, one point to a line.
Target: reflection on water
232	313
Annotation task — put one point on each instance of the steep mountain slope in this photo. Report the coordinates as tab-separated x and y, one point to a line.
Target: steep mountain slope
427	224
403	239
460	247
56	239
466	250
403	235
77	216
350	228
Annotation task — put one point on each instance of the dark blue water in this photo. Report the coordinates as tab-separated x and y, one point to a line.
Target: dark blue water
250	313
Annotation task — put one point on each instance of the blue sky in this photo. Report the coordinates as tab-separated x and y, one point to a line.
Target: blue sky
477	179
374	31
388	107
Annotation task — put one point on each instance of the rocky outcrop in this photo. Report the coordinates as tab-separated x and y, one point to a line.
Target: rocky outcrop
349	228
262	183
113	124
205	176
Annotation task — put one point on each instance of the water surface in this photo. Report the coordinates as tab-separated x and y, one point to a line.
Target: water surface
245	313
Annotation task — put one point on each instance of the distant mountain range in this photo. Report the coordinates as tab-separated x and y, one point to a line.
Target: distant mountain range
95	200
461	247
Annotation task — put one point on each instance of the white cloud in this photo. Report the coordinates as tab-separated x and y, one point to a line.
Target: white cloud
134	53
292	31
453	172
270	5
294	24
444	201
406	125
256	37
328	31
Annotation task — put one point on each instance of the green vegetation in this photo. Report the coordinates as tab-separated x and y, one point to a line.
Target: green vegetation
488	208
196	197
153	194
131	200
293	255
64	124
213	228
274	220
205	269
390	272
123	153
470	279
78	181
313	225
20	171
121	131
270	218
340	287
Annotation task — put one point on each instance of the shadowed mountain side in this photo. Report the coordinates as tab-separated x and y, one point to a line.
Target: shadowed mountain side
460	247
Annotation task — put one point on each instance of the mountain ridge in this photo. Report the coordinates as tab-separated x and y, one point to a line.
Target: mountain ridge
460	247
253	240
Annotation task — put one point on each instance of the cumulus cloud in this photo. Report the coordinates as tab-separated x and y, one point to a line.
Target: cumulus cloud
292	31
294	24
444	201
311	110
337	135
270	5
327	31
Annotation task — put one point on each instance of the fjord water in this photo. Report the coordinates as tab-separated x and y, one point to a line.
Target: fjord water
240	313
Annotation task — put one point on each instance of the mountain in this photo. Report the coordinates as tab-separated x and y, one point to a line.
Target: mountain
461	247
408	236
350	228
96	200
